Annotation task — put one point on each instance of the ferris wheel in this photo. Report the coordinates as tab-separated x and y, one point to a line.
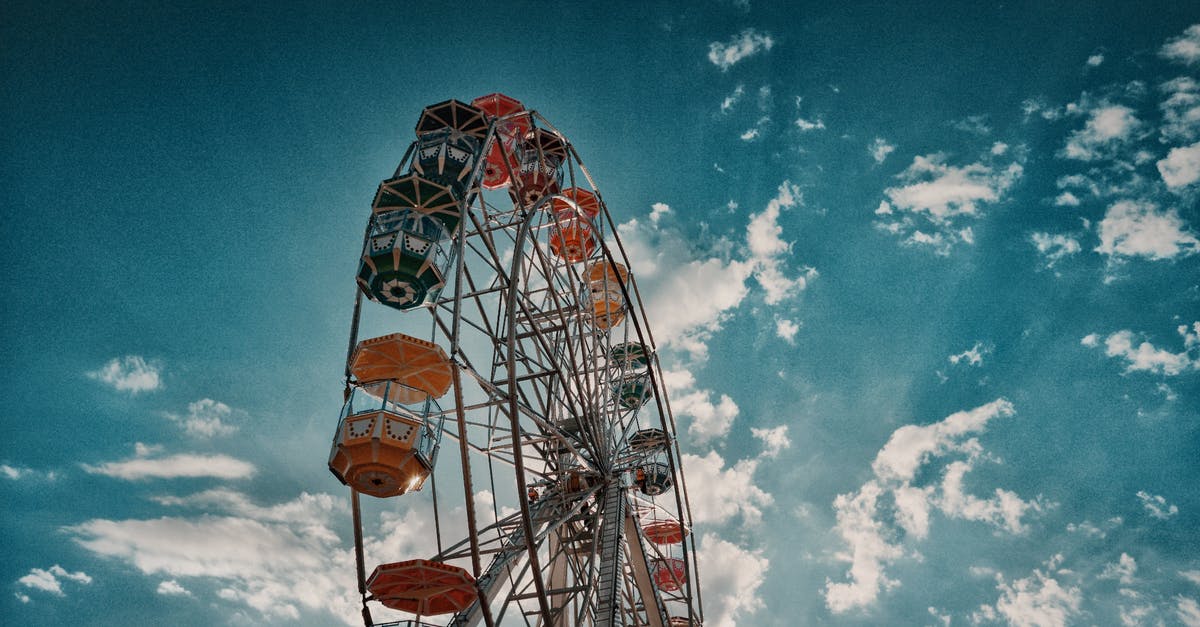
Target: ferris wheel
537	371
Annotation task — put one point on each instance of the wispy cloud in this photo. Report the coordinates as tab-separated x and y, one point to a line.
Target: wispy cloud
940	196
774	440
732	99
880	149
870	531
745	44
768	250
206	418
184	465
1181	110
1054	248
1156	505
131	373
972	356
1035	600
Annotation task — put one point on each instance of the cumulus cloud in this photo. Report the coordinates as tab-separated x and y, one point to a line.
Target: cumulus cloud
1054	247
880	149
1133	228
1181	167
131	373
1183	49
871	520
1157	506
1145	356
726	492
939	195
50	580
144	466
748	43
171	588
749	135
1035	601
711	418
774	440
206	418
1108	127
810	125
688	294
1095	60
731	576
658	210
786	330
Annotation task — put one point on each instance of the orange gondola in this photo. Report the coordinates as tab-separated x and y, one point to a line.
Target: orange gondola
420	367
423	587
576	201
572	239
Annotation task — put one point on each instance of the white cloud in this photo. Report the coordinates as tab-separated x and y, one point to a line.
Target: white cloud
768	250
1145	356
1123	570
1139	229
1039	107
786	330
658	210
774	440
731	576
172	588
1157	506
1188	611
975	124
1066	199
940	194
710	419
206	418
688	295
1095	60
1088	528
973	356
809	125
732	99
748	43
862	520
880	149
1181	110
1191	575
173	467
911	446
131	373
50	580
725	492
1035	601
278	560
1181	167
12	472
1054	247
1108	127
749	135
1183	49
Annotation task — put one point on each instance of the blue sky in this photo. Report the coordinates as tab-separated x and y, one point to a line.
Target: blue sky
926	277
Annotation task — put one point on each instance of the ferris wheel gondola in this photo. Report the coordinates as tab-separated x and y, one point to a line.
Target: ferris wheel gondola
539	367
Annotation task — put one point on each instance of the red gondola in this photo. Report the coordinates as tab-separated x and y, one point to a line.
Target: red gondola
423	587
